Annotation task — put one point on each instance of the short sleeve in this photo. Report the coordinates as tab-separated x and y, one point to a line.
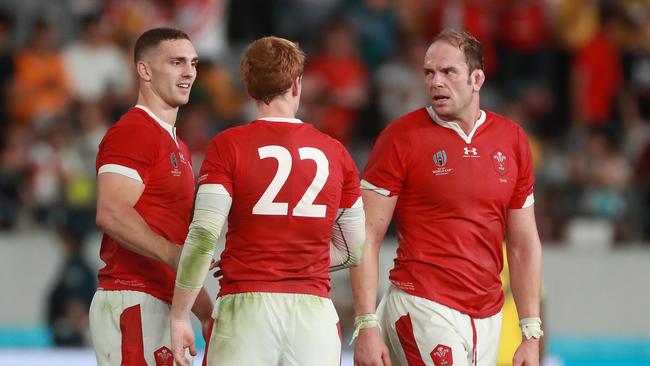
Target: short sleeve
351	190
129	147
523	194
219	163
385	170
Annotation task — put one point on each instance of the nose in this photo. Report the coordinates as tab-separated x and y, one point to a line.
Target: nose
437	80
189	70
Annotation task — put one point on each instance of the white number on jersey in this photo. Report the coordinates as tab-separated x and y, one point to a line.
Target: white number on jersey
306	206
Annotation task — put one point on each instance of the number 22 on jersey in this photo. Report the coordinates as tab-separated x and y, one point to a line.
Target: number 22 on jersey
305	207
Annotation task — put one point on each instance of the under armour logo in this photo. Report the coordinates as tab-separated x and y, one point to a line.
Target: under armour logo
470	151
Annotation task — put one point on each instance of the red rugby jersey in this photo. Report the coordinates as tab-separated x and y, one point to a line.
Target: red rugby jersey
454	191
287	181
145	148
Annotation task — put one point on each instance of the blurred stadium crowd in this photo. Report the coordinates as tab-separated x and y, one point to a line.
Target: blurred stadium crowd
574	73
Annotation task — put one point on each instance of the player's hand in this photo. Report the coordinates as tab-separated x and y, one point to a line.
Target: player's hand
370	349
182	337
215	264
527	353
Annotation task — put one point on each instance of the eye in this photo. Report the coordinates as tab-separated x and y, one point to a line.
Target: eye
176	62
428	72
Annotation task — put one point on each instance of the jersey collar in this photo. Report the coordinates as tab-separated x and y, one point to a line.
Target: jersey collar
455	126
169	128
280	119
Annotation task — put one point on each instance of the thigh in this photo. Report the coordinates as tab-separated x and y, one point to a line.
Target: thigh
246	331
420	332
104	318
130	328
488	334
316	338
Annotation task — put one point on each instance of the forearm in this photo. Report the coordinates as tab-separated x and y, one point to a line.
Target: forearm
182	303
525	261
210	212
130	230
364	280
202	305
192	269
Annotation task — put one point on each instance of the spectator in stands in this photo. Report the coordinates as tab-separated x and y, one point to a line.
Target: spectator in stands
40	92
95	67
69	299
605	175
596	76
399	81
335	83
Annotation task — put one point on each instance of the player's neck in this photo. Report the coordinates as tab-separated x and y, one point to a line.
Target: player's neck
466	119
277	108
161	109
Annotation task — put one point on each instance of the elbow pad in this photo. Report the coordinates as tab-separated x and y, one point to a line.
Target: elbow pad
210	212
348	237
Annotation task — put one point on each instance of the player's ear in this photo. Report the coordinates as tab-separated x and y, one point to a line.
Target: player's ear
296	86
477	78
144	72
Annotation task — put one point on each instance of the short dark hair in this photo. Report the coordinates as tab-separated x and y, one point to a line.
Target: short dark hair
467	43
153	37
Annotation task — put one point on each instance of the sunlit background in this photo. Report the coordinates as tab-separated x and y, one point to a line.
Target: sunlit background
574	73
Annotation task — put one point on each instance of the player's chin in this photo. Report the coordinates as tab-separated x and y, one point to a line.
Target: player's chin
182	99
441	109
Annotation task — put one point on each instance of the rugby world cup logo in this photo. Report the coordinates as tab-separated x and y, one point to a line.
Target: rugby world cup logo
440	158
172	158
175	171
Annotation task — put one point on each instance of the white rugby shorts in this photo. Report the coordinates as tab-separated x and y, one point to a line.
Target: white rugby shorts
262	328
131	328
421	332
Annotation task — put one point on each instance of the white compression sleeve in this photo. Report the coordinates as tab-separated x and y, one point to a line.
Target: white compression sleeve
210	212
348	237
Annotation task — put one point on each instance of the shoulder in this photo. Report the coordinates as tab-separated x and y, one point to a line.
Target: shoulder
134	127
136	120
320	135
317	137
504	124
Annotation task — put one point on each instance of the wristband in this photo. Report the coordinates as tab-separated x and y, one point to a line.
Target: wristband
531	328
364	321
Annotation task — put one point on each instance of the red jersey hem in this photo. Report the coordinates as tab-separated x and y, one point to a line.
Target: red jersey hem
279	287
107	286
493	310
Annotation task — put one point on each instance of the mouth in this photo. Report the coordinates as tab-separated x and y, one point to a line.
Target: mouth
439	98
184	85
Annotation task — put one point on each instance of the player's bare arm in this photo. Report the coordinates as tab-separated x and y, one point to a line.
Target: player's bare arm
525	259
116	215
370	348
210	212
348	237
